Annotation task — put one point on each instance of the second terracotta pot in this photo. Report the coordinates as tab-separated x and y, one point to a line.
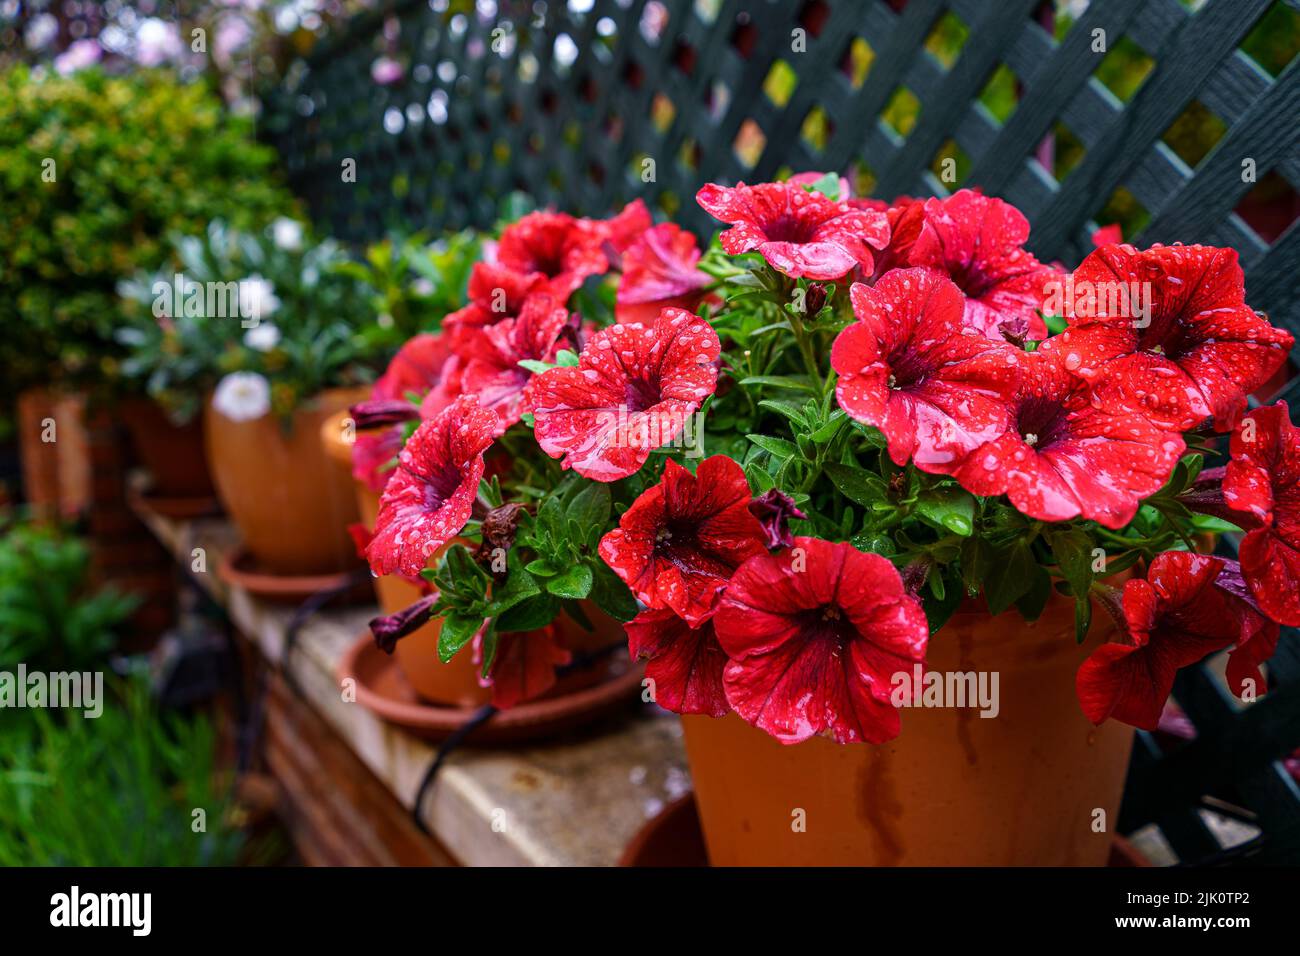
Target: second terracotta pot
174	455
291	504
1031	786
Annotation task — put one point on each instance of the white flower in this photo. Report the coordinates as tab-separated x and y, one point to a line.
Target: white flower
157	41
40	31
242	396
263	337
256	298
287	234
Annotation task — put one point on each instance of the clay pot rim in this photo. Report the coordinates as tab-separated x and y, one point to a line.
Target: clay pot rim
527	721
233	570
331	436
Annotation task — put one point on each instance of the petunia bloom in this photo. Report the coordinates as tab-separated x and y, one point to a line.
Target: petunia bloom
685	663
1262	480
815	635
659	273
910	366
493	372
1062	456
799	233
1174	618
978	241
523	667
678	544
430	496
1168	332
421	367
567	250
634	388
495	293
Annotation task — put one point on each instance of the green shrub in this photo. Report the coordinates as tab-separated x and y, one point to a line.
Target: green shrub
50	618
131	158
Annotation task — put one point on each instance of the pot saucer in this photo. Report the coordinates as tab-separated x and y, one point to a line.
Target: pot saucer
673	838
175	508
383	689
239	569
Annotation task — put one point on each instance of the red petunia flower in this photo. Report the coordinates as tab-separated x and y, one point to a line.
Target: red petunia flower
1061	456
936	388
798	232
632	391
1256	633
659	273
429	497
678	544
1263	481
815	635
495	293
423	365
620	232
523	667
493	372
685	663
774	509
978	241
1174	618
906	218
564	249
1199	352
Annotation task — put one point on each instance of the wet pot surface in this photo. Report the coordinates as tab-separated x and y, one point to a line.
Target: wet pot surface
1030	786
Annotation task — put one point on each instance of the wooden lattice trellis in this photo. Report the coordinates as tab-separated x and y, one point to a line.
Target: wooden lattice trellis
566	106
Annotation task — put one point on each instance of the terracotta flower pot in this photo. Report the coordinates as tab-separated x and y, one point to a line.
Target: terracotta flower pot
291	505
174	455
955	789
456	683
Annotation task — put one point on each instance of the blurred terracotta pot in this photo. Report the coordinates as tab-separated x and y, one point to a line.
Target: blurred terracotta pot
174	455
291	504
954	789
456	683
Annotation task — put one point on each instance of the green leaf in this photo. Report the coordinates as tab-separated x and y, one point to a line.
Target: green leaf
976	556
534	366
541	568
574	582
857	484
786	410
948	508
529	615
590	507
939	607
828	431
1073	550
611	595
1031	603
1082	618
790	382
1010	576
775	446
457	631
566	358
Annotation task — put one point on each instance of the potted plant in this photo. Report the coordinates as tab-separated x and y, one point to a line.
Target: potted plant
884	508
258	330
95	172
471	521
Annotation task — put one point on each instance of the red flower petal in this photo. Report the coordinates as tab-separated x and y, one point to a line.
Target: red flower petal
686	663
493	372
1062	457
979	242
1263	480
1175	617
798	232
815	635
632	391
429	497
1203	351
624	229
935	388
524	666
658	273
678	544
564	249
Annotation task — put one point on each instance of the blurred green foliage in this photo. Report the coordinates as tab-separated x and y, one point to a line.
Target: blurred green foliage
94	172
122	789
50	617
